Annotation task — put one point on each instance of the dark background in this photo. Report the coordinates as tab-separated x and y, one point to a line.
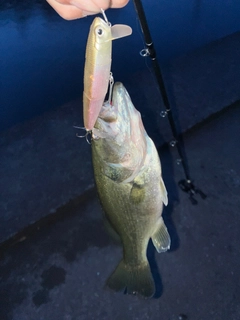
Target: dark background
42	55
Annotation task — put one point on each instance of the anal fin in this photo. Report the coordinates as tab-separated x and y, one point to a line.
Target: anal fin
161	238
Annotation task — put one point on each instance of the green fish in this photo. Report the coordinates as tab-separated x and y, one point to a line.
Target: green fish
128	177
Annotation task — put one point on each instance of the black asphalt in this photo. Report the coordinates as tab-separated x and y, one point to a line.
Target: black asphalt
59	271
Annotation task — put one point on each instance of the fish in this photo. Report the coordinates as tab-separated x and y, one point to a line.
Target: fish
131	190
97	66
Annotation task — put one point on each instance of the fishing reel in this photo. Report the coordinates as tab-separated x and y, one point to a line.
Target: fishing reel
188	187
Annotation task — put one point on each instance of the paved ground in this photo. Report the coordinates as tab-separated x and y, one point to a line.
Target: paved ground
59	271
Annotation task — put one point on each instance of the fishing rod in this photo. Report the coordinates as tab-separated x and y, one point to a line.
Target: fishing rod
186	184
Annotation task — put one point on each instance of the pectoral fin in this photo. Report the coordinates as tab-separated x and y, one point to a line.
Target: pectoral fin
161	238
116	172
138	192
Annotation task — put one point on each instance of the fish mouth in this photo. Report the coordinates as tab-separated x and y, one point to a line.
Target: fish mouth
114	117
121	135
119	121
123	104
128	116
120	93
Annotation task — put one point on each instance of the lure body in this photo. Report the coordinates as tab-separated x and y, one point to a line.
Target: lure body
97	67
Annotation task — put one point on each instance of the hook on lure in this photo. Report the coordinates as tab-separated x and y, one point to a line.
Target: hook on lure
88	132
111	83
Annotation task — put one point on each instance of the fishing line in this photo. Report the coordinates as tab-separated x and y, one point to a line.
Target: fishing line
149	51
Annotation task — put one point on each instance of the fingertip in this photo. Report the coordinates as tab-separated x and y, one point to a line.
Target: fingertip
67	12
118	3
102	4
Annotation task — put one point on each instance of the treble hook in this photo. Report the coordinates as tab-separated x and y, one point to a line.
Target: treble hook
111	83
85	135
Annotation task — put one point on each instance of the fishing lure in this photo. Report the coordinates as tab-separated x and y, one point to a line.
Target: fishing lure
97	75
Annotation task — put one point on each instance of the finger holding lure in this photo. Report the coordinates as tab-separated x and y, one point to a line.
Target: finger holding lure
97	66
75	9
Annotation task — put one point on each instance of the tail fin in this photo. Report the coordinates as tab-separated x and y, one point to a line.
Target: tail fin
135	279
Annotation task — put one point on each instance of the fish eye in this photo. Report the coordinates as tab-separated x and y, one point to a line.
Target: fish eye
100	31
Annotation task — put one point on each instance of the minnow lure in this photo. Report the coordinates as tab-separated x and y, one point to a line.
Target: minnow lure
97	66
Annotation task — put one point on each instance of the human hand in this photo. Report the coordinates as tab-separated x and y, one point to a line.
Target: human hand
74	9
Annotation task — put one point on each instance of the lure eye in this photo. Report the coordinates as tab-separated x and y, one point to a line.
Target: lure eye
100	31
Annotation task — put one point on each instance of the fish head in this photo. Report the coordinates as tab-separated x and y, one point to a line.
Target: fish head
119	134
